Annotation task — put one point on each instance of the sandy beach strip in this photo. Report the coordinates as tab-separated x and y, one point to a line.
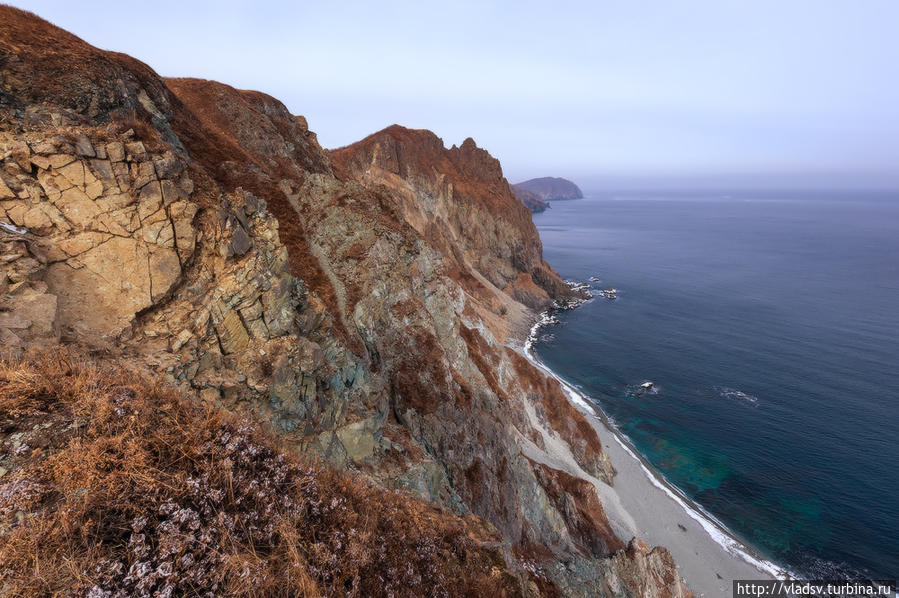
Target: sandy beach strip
642	504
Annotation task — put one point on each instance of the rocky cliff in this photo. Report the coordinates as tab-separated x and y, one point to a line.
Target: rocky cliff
551	188
362	305
458	200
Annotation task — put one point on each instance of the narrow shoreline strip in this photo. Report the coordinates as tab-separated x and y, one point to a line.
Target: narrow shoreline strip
709	556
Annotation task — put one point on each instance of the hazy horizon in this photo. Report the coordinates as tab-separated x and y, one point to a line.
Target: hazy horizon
703	93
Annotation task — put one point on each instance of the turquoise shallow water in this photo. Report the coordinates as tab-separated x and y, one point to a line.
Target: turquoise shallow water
769	324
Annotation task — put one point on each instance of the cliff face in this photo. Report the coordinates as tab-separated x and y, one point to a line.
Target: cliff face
459	201
359	303
551	188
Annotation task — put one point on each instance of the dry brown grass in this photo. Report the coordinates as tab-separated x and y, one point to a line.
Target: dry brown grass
126	489
45	64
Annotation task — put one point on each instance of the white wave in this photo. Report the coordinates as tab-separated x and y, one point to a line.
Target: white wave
578	286
635	391
544	319
733	393
709	522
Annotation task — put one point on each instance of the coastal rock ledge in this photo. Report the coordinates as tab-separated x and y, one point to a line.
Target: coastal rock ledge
235	363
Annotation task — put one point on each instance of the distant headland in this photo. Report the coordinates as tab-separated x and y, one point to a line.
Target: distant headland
535	193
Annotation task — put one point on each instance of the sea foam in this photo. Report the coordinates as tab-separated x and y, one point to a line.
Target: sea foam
733	393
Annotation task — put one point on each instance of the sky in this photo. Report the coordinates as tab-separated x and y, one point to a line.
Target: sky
718	93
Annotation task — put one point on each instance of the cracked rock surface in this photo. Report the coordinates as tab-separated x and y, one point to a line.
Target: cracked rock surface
109	224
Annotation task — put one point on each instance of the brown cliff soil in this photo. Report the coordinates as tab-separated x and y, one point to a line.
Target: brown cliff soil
120	485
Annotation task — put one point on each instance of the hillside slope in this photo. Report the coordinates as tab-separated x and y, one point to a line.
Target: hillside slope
362	305
129	489
551	188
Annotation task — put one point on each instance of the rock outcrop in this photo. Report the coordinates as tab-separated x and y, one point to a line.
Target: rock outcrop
363	303
550	188
106	225
530	200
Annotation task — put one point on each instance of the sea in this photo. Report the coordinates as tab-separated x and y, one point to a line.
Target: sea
768	325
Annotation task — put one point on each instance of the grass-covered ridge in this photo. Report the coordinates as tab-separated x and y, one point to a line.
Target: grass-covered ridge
119	487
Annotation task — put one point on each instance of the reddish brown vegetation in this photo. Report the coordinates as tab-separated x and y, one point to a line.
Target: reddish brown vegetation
419	378
133	491
576	499
207	124
43	63
476	175
562	416
481	353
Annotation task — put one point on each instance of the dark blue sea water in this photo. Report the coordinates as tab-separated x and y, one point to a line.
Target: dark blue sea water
769	323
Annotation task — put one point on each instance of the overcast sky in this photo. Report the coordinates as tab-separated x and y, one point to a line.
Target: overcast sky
760	93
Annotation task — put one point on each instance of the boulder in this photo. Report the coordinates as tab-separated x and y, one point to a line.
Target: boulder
359	439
